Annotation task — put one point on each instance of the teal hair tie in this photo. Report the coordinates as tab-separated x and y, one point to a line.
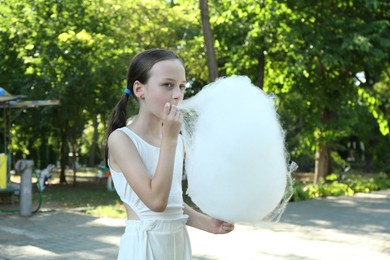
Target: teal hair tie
127	91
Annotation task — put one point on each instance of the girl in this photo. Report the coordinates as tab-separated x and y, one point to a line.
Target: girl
146	161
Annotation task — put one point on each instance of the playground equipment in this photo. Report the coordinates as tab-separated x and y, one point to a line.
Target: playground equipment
6	188
104	172
24	189
9	102
25	168
3	171
44	176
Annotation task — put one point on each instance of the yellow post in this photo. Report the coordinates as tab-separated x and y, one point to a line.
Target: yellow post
3	171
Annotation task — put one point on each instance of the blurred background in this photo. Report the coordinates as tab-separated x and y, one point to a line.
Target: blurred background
327	62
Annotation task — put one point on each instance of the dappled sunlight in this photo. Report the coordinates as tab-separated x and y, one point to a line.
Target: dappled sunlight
31	252
355	228
109	239
284	241
22	232
358	210
112	222
340	200
321	223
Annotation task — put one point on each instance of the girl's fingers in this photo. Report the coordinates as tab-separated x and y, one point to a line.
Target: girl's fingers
167	108
227	226
173	110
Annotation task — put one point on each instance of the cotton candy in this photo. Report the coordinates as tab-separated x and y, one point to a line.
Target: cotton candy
236	163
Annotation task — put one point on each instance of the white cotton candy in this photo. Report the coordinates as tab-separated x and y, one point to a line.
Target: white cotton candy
235	157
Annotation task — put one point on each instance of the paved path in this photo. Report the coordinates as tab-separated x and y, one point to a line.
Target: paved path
334	228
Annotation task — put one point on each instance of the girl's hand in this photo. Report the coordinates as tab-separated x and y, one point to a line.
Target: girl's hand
220	227
172	119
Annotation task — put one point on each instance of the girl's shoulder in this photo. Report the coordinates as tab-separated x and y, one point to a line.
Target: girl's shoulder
118	135
120	142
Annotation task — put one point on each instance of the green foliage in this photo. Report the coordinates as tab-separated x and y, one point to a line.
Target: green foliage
78	51
308	53
300	192
362	184
336	186
338	162
329	43
107	211
328	189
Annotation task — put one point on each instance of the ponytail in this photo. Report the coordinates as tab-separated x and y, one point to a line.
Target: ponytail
118	119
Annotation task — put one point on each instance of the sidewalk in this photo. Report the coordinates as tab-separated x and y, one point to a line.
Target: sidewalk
334	228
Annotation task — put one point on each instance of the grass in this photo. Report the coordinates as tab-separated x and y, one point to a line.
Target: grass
90	195
82	195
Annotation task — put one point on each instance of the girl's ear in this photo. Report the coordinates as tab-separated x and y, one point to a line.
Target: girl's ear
138	89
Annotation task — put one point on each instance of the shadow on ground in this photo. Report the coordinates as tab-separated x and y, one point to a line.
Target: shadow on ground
360	214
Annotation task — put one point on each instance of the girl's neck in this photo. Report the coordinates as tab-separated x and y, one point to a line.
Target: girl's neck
148	128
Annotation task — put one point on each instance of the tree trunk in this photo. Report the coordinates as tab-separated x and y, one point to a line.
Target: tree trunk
74	161
261	62
322	160
321	163
63	155
95	137
208	40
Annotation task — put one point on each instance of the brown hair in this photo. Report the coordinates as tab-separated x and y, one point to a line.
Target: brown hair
139	70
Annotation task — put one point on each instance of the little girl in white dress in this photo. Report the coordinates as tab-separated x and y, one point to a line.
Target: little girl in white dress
146	162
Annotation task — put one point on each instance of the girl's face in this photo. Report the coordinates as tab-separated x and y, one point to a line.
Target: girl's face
166	83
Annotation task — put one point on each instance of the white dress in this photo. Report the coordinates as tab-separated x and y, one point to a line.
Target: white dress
156	235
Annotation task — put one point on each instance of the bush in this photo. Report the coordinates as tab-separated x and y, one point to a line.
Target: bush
300	193
337	186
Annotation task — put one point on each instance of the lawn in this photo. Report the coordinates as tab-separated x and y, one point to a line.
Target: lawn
88	195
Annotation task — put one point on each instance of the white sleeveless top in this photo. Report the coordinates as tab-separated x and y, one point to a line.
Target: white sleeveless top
149	155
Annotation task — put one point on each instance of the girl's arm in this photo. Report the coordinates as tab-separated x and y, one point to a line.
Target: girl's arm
203	222
124	157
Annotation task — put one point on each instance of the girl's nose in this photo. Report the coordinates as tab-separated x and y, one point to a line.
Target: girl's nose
177	93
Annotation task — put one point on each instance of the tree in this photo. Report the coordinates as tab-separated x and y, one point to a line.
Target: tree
275	44
78	52
208	40
325	61
330	43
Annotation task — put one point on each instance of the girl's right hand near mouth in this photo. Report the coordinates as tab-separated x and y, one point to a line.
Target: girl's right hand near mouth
172	119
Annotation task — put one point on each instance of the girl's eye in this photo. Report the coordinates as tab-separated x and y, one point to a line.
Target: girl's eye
169	85
182	87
